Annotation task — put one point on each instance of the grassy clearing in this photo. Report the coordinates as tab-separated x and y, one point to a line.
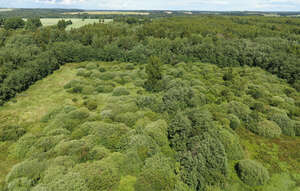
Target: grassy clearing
28	108
108	13
5	10
77	23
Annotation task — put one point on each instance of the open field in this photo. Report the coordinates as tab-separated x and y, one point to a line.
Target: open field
77	23
108	13
5	10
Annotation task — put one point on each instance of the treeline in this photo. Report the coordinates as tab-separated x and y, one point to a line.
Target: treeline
270	43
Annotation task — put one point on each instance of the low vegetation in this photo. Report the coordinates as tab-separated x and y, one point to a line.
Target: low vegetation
187	135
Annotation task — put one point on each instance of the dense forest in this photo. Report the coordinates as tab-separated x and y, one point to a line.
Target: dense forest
190	103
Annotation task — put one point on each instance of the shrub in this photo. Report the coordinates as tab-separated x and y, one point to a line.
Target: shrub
99	175
109	135
91	66
284	122
90	104
157	174
127	183
84	73
179	131
152	102
86	90
101	69
231	142
98	153
20	184
177	98
11	133
76	149
240	110
107	76
266	128
144	145
31	169
206	155
72	83
297	128
158	132
105	88
120	91
69	120
128	118
154	74
234	121
23	145
252	173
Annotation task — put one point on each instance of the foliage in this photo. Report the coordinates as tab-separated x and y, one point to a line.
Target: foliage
120	91
14	23
252	173
284	122
153	74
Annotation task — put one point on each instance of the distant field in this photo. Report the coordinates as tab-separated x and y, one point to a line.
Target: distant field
5	10
108	13
77	23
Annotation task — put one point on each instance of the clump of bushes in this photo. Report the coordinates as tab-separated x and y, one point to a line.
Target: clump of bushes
31	169
83	73
284	122
297	128
99	175
11	133
266	128
240	110
252	173
90	104
107	76
234	121
120	91
91	66
157	174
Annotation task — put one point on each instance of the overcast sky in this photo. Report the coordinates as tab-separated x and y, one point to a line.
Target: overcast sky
211	5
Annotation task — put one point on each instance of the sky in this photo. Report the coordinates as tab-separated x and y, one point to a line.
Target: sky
197	5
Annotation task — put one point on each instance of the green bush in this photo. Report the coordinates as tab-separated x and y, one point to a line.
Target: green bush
234	121
90	104
76	149
297	128
20	184
23	145
84	73
240	110
72	83
144	145
177	98
98	153
109	135
157	174
31	169
231	142
266	128
284	122
87	90
128	118
120	91
207	155
91	66
69	182
179	132
69	120
252	173
11	133
99	175
105	88
107	76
